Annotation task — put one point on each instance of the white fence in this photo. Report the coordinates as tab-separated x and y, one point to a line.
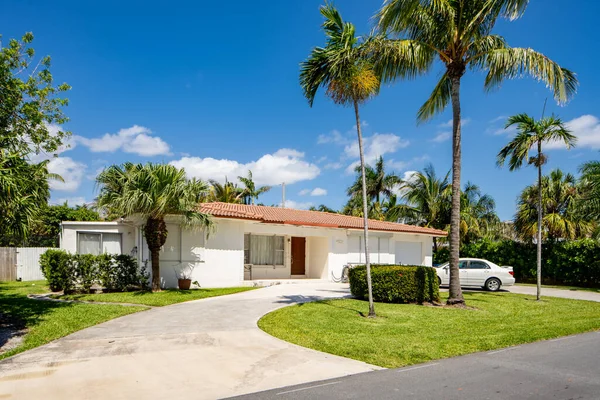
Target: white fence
28	263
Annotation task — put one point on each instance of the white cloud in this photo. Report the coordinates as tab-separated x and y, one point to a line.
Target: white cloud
136	140
314	192
297	205
374	146
285	165
71	201
464	122
441	137
318	192
333	165
587	130
68	144
333	137
71	171
498	119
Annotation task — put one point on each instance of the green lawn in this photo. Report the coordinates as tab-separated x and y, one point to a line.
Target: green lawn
158	299
47	320
573	288
408	334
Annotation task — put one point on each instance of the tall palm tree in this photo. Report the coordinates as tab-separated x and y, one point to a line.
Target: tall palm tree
426	198
227	192
590	181
531	135
378	182
561	217
349	80
153	191
251	192
459	34
478	213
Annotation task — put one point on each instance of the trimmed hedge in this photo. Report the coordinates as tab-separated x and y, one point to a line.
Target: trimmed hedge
114	272
573	262
396	283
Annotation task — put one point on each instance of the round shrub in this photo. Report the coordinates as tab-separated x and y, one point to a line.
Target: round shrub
396	283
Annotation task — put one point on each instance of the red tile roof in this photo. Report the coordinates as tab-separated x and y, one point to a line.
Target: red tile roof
289	216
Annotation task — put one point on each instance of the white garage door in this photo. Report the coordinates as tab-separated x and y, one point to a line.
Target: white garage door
409	253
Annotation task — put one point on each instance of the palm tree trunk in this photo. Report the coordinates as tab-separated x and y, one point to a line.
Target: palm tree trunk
455	295
155	232
539	227
435	248
365	210
155	256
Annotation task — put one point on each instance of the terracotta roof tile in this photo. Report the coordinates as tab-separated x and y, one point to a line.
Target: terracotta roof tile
278	215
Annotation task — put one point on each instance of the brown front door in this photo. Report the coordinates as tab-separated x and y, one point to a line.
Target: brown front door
298	256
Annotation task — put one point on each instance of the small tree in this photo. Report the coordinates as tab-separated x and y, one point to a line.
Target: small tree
531	135
251	192
153	191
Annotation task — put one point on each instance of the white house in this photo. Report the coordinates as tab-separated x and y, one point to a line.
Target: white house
258	243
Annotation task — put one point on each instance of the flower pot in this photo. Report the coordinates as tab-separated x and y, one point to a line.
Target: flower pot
184	284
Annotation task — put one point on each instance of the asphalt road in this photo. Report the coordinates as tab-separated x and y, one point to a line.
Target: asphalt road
564	368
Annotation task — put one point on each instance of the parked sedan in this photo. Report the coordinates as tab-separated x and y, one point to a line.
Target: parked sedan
475	272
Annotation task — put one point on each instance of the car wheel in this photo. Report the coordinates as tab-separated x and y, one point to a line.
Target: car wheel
493	284
439	281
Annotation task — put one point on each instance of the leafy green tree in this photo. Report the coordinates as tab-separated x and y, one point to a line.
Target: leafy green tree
561	216
426	196
227	192
478	213
349	80
459	34
323	208
251	192
152	192
29	104
590	182
46	230
378	182
531	135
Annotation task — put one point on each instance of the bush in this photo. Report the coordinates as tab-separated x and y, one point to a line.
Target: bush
396	284
573	262
58	269
114	272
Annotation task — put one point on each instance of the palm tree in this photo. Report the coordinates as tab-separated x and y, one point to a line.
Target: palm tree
250	192
478	213
323	208
561	216
590	181
153	191
378	182
349	80
225	193
426	198
459	33
531	135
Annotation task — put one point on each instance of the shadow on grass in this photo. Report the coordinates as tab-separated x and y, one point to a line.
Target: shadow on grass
23	312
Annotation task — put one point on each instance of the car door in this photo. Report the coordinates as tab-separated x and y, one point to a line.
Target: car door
464	273
479	272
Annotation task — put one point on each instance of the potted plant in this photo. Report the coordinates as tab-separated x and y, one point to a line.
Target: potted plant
184	277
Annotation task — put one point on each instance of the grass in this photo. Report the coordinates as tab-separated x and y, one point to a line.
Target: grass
158	299
47	321
563	287
408	334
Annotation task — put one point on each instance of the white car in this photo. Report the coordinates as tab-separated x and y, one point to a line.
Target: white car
475	272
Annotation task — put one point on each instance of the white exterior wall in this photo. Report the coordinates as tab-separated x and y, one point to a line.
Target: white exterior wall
219	260
420	247
68	239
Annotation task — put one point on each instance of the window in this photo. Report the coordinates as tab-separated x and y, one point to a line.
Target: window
462	265
97	243
377	247
478	265
264	250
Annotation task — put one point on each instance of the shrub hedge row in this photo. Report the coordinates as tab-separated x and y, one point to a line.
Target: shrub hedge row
71	272
396	283
573	262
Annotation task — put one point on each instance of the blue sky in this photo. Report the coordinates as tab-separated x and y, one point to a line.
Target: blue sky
213	87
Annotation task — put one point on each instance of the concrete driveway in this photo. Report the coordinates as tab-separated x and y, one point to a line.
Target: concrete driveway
551	292
204	349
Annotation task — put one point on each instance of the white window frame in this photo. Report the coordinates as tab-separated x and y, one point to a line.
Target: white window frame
248	254
101	239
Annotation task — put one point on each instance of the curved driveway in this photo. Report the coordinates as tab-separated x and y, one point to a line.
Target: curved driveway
203	349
